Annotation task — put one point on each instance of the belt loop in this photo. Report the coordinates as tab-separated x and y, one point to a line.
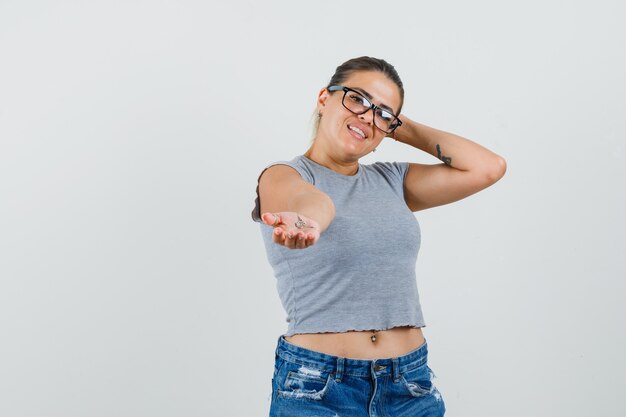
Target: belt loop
339	373
395	370
277	346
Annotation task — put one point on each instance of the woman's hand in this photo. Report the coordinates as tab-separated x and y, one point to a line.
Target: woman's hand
286	230
394	135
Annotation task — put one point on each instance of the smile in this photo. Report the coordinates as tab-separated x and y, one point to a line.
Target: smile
357	131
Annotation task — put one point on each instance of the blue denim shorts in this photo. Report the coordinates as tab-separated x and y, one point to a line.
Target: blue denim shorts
311	383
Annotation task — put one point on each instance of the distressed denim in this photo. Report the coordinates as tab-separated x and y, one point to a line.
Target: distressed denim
311	383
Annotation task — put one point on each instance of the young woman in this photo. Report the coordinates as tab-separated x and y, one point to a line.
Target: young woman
343	242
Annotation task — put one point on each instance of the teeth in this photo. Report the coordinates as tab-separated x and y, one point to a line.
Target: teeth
357	130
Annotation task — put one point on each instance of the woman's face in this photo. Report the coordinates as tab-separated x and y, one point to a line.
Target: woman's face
339	127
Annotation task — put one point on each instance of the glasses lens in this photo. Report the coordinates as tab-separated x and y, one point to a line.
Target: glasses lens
355	102
385	121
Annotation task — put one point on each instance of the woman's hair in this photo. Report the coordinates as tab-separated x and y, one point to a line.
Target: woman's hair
364	63
367	63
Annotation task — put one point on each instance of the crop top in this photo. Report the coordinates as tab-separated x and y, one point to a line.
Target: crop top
360	274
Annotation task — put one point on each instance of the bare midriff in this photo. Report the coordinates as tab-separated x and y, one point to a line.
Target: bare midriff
388	343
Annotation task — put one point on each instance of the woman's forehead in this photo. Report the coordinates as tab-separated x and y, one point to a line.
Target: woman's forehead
377	85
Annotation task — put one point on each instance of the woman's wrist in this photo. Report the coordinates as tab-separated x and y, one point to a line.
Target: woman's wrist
410	133
400	133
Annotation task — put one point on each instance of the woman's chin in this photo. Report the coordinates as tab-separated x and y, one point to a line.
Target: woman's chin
357	146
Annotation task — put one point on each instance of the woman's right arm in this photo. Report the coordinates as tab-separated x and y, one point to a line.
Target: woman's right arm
283	192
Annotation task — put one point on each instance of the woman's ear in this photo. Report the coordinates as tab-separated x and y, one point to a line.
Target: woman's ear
321	99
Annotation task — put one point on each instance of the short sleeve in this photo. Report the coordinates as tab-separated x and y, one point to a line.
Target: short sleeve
304	173
395	174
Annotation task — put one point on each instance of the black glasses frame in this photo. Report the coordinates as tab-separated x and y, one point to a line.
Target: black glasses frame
372	106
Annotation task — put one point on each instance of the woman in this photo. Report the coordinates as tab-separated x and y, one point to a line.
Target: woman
343	242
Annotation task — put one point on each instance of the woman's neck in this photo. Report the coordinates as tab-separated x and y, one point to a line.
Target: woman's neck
325	159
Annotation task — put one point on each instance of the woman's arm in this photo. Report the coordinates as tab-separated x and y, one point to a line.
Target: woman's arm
466	169
283	192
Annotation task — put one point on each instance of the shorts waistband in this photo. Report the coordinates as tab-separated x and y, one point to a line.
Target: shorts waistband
350	366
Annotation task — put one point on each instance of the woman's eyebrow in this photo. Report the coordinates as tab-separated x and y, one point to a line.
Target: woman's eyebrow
369	96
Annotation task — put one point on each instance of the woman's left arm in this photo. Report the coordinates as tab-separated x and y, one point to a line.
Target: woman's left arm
466	169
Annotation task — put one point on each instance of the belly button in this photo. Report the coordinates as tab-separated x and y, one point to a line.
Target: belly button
373	337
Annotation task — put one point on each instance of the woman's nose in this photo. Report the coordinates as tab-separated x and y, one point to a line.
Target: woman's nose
367	116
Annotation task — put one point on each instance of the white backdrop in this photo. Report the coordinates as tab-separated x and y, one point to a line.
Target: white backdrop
133	281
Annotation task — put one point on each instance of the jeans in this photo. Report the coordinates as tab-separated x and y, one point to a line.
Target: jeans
311	383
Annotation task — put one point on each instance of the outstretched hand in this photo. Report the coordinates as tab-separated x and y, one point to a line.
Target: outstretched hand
292	230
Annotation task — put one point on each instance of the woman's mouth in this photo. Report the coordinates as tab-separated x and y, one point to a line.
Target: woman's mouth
357	133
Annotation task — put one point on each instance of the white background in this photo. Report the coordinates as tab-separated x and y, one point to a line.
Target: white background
133	281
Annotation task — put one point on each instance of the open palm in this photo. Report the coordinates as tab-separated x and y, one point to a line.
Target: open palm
286	230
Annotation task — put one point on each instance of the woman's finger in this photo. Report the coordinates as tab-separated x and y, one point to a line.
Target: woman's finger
272	219
281	237
300	241
306	240
278	236
290	241
268	218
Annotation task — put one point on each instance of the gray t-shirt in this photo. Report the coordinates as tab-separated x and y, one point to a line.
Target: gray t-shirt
360	275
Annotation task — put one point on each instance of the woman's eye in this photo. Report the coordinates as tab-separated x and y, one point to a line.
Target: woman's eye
358	99
385	115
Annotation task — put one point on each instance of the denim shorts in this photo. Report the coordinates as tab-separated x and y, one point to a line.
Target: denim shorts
311	383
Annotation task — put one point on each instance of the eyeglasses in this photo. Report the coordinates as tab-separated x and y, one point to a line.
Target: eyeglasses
357	103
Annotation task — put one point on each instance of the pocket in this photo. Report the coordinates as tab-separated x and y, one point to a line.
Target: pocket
418	381
299	381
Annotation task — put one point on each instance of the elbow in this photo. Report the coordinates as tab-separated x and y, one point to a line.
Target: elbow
331	206
496	169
